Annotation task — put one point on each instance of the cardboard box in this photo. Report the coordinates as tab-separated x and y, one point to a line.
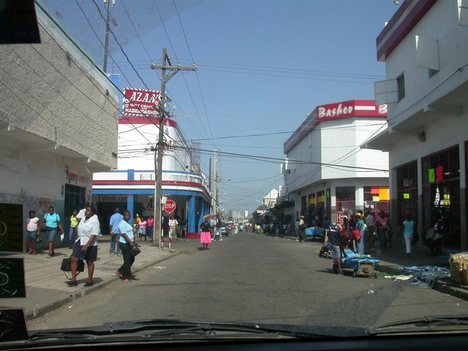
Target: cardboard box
459	267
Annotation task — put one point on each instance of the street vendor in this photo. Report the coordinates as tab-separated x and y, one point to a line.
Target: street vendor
336	243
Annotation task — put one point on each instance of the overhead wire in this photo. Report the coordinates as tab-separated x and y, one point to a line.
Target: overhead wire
196	73
183	76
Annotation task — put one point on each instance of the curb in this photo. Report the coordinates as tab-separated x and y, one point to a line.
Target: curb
444	287
35	312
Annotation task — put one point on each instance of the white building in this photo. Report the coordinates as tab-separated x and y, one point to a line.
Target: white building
325	171
131	186
425	50
271	198
58	124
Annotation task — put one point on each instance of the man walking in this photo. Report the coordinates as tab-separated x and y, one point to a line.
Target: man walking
114	221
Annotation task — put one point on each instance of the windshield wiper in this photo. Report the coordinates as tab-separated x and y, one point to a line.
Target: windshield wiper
169	328
425	324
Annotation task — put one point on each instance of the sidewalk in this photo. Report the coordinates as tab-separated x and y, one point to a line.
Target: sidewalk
46	287
393	259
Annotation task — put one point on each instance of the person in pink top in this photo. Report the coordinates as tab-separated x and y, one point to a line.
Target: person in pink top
142	229
150	227
382	225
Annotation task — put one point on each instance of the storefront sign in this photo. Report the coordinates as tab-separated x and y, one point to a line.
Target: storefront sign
111	198
439	174
431	175
335	110
141	103
384	194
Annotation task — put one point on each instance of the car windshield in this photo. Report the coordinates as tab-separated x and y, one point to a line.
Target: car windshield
238	166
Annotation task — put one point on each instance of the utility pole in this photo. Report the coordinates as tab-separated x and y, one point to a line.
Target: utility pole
109	4
214	177
160	143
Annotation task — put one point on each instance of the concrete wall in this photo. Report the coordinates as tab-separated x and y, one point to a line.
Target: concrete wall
54	91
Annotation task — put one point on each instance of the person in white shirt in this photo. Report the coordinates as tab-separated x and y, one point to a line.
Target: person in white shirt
85	247
173	223
32	229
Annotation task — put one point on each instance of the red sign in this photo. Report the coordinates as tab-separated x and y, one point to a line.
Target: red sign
351	108
141	103
169	206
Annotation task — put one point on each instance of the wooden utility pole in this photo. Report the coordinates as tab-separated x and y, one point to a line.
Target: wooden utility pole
160	143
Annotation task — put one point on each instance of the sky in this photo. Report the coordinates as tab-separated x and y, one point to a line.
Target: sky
262	66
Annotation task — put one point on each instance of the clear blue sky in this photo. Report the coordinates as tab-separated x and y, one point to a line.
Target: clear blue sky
262	66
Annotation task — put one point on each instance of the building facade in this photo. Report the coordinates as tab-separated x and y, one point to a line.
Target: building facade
132	185
426	59
58	125
326	174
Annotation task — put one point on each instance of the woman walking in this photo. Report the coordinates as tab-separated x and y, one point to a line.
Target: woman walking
52	222
205	236
85	247
408	231
142	229
126	243
31	229
73	228
361	226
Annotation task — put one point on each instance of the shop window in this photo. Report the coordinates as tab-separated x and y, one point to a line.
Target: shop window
441	193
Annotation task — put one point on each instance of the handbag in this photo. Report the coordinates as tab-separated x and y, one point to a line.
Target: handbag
135	250
66	266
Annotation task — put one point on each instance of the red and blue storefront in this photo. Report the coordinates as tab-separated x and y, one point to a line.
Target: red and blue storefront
134	190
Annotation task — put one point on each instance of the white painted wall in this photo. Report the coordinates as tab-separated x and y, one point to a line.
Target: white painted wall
134	148
336	142
441	24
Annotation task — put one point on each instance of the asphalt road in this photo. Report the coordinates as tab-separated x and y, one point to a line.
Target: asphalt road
253	278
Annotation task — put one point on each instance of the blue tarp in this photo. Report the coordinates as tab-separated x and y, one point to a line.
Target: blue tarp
314	232
354	259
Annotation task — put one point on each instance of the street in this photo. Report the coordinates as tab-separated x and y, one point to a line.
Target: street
253	278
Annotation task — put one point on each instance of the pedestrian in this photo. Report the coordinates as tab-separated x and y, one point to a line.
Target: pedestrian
382	226
126	244
53	223
336	243
219	224
32	232
142	229
114	221
370	220
85	247
136	224
301	229
150	227
205	227
361	226
355	237
73	229
408	231
173	223
435	240
165	230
